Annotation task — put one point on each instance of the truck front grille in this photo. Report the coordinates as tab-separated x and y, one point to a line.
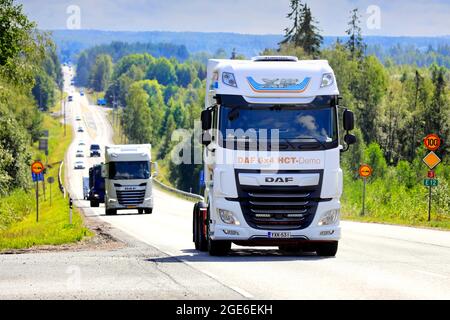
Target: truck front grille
279	207
130	198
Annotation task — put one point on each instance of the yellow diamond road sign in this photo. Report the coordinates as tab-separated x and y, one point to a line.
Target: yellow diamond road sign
431	160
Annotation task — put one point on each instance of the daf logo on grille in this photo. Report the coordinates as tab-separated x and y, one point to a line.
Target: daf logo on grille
279	179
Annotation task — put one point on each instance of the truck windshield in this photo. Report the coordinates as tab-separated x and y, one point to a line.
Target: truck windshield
292	127
129	170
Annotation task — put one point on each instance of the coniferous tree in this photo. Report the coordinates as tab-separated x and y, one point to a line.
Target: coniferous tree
355	43
291	34
304	32
311	39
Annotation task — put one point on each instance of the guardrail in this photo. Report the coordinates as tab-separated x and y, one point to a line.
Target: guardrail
180	192
61	186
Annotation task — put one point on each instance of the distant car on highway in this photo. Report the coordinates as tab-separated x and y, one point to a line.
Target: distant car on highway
70	98
80	129
81	93
95	150
79	165
101	102
80	154
81	143
78	118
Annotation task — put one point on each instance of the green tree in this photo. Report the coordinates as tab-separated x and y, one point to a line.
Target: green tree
355	43
185	74
101	73
304	32
137	119
374	157
437	115
292	34
370	91
14	155
22	47
163	71
44	91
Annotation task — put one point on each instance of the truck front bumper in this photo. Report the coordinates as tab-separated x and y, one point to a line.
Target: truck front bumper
243	232
114	204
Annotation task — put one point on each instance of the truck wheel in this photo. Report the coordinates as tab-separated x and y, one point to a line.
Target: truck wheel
95	204
194	224
110	212
148	211
140	211
328	249
218	247
199	226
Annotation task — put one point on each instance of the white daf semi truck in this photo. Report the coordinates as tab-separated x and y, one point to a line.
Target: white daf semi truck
270	131
128	178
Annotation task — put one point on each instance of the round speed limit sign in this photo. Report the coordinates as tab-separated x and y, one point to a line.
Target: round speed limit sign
365	171
37	167
432	142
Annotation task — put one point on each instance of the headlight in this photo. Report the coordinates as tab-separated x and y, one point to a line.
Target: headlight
228	79
327	80
329	218
228	217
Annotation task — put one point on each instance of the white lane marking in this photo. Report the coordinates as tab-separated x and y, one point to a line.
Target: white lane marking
432	274
242	292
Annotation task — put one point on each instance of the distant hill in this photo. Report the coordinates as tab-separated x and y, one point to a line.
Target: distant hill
72	42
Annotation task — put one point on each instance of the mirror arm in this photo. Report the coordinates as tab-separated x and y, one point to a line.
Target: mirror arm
347	146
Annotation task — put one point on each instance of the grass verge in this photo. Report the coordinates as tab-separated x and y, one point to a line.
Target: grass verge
18	226
391	202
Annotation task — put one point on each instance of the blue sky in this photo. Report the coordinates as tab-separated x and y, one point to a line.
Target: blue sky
397	17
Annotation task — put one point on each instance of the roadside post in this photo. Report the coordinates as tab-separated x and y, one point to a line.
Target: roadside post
43	146
432	142
70	209
37	169
365	171
50	181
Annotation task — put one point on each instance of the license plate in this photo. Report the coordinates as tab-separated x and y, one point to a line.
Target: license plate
279	235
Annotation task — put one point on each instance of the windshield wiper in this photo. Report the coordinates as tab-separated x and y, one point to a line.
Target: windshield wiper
322	144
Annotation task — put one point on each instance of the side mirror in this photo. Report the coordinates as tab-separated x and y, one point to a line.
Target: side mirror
156	171
349	120
349	139
104	174
206	118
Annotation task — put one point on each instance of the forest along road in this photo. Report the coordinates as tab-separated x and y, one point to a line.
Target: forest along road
374	261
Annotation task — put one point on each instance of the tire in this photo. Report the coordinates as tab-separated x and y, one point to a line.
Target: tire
194	225
200	240
140	211
328	249
95	204
218	247
110	212
148	211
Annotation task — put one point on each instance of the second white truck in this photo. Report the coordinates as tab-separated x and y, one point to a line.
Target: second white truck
128	178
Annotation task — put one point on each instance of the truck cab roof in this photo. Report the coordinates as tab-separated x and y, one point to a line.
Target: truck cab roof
128	152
